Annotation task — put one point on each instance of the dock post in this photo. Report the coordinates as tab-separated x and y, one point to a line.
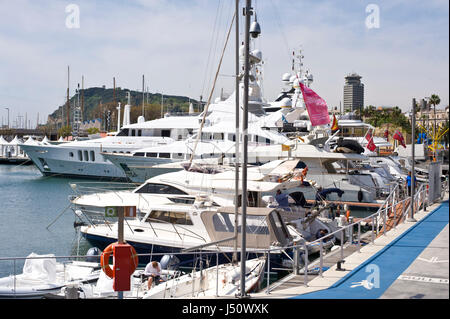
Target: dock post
296	258
342	244
359	237
384	220
321	259
373	229
268	271
306	264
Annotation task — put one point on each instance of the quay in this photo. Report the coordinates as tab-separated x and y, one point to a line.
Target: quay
409	261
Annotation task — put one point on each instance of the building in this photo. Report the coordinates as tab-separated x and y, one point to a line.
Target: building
353	93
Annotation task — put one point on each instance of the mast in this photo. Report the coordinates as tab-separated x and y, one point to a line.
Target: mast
68	97
82	98
248	12
143	96
236	148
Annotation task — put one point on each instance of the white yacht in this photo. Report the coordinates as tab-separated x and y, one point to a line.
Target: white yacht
84	159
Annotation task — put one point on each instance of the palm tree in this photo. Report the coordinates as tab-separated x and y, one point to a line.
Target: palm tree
435	100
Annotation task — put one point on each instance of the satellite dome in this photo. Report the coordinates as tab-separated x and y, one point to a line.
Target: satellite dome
285	77
257	53
286	102
141	119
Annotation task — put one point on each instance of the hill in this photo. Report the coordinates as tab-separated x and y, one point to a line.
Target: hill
99	99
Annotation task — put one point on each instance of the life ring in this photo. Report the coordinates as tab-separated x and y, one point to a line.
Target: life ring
347	214
104	260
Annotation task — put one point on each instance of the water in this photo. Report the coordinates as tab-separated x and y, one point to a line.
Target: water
29	202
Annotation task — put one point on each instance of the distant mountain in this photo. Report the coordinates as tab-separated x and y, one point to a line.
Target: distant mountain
98	99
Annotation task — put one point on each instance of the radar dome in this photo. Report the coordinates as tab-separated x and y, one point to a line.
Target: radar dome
285	77
141	119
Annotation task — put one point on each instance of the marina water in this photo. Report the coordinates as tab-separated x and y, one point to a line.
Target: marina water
29	202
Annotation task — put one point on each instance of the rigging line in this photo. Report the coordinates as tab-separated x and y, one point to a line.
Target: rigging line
221	17
210	47
199	133
283	35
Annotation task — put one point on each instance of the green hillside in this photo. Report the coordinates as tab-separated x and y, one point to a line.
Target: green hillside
97	100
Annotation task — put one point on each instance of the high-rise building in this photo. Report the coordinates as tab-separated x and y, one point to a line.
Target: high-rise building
353	93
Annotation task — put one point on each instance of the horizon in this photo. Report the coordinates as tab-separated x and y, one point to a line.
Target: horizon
176	45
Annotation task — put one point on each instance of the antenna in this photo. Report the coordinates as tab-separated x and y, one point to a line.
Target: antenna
143	95
68	97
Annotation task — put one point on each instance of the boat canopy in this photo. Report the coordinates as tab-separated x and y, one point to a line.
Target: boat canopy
265	227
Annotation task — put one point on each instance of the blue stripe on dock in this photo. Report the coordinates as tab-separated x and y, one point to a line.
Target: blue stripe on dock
391	261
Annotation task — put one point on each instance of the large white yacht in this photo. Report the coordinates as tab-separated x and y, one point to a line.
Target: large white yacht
83	158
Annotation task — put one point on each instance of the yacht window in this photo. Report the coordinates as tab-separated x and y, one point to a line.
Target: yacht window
218	136
80	155
164	155
180	137
139	154
255	224
152	154
232	137
133	132
180	218
92	156
123	132
165	133
152	188
86	155
139	133
178	156
71	154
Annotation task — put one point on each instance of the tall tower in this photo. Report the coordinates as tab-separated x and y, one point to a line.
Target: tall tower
353	93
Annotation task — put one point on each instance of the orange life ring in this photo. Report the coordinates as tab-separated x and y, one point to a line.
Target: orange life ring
104	260
347	214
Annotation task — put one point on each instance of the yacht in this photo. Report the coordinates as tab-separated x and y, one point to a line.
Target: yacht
84	158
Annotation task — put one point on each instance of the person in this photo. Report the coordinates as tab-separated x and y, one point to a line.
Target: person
321	232
409	183
153	271
282	199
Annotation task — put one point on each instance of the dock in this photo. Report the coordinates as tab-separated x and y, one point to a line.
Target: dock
411	261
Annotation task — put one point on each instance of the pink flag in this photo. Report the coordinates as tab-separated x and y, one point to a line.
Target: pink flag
316	106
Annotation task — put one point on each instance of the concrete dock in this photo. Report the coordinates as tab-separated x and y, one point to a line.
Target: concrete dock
410	261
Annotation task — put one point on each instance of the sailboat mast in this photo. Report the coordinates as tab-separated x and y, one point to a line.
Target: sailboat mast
236	148
248	12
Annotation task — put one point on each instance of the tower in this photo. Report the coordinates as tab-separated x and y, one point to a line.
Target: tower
353	93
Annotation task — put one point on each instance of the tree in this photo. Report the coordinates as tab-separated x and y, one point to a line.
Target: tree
435	100
65	131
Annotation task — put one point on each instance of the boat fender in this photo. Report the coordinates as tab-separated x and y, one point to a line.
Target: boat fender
360	195
93	255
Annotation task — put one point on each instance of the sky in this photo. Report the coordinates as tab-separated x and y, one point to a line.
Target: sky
176	45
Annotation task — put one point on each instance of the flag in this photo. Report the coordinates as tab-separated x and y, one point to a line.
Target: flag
334	126
113	211
316	106
283	118
285	148
386	134
370	144
399	137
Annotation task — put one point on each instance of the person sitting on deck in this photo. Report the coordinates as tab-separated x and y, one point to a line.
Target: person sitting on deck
153	271
321	232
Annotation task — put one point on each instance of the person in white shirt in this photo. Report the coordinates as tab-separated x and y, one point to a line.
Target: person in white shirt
153	271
